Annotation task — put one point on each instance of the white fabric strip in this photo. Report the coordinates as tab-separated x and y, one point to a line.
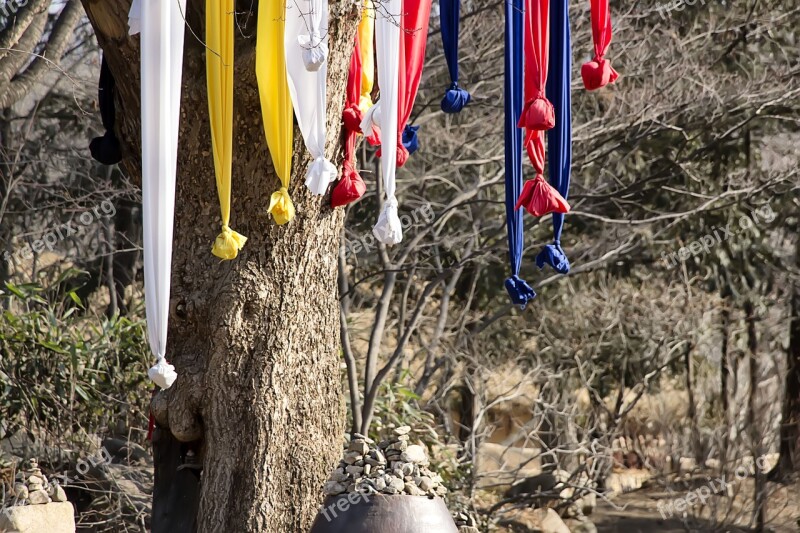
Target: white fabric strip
162	29
388	229
314	37
135	18
307	72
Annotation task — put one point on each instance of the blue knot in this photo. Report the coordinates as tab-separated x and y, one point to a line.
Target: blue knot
520	292
106	149
455	99
410	139
553	255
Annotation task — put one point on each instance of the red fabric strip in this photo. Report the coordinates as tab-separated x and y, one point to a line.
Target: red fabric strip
598	72
538	112
351	187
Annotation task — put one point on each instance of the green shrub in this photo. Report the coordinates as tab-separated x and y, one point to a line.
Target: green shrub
65	372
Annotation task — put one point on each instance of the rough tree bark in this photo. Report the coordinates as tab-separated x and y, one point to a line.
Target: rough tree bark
255	340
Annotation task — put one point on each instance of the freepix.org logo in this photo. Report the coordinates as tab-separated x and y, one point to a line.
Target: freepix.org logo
7	9
55	234
703	245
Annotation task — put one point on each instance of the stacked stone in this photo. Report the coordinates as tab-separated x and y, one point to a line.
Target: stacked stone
393	466
32	487
465	523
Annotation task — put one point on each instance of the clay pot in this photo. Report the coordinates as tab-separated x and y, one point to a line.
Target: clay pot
376	513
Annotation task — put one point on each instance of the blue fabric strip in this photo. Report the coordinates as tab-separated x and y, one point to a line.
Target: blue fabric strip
519	291
449	12
559	139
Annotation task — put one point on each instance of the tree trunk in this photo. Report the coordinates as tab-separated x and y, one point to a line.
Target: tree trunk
759	488
789	461
691	413
255	340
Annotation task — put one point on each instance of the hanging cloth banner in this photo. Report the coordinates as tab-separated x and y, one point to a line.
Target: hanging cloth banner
384	115
598	72
306	45
559	139
366	39
162	29
449	13
538	197
414	36
360	80
276	103
351	187
519	291
106	149
219	77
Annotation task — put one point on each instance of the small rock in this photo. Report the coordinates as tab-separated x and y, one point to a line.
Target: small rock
407	469
380	484
339	475
33	487
415	454
367	469
354	470
468	529
38	497
333	488
351	457
425	483
21	491
360	446
399	446
398	484
58	494
412	489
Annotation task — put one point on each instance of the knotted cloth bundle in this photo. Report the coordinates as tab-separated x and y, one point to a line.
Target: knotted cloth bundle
351	187
307	69
449	13
598	72
538	111
276	103
162	30
219	77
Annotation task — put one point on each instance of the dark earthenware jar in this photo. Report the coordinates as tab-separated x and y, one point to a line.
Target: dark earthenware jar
376	513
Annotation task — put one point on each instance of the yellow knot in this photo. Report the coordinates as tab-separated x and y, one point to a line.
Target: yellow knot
365	103
228	244
281	207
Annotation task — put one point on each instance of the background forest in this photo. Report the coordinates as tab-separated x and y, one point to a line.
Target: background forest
667	360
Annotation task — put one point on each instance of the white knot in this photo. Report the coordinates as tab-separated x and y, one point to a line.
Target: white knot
388	230
162	373
135	18
320	174
371	117
315	51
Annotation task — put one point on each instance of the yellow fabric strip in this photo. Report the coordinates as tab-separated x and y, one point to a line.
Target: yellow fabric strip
276	103
366	35
219	75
